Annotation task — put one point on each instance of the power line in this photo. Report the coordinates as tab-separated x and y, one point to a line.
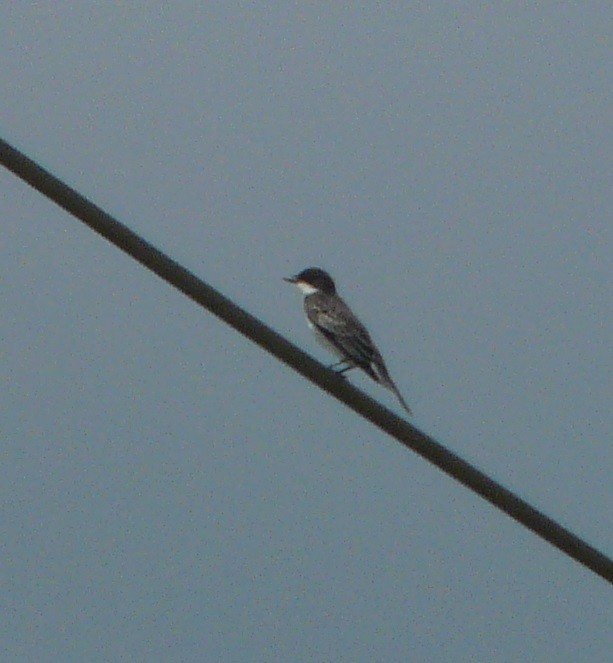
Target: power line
182	279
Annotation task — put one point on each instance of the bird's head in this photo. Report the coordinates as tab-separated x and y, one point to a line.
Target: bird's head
312	280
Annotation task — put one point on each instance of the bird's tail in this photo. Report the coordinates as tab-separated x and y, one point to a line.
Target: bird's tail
394	388
379	373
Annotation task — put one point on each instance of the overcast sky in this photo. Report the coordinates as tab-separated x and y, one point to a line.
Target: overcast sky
170	492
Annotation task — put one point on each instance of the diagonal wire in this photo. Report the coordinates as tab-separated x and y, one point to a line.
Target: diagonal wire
182	279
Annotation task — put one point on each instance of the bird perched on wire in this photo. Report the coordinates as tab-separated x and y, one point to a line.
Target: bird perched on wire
339	330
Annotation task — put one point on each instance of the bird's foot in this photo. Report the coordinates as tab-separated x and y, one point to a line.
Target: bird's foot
344	365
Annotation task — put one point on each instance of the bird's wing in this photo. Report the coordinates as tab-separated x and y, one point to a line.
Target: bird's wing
336	322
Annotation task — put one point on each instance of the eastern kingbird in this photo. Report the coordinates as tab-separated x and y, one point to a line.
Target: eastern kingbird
338	329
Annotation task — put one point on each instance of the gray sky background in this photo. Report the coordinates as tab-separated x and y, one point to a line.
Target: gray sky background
170	492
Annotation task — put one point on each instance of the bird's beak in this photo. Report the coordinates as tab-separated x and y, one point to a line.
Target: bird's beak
290	279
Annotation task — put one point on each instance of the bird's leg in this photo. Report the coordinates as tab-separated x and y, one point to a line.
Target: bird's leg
346	368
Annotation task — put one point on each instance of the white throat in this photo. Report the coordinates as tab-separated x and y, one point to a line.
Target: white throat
306	288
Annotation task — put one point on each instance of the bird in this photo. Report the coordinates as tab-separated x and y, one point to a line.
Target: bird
339	330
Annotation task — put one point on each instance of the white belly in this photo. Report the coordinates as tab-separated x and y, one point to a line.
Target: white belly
325	343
